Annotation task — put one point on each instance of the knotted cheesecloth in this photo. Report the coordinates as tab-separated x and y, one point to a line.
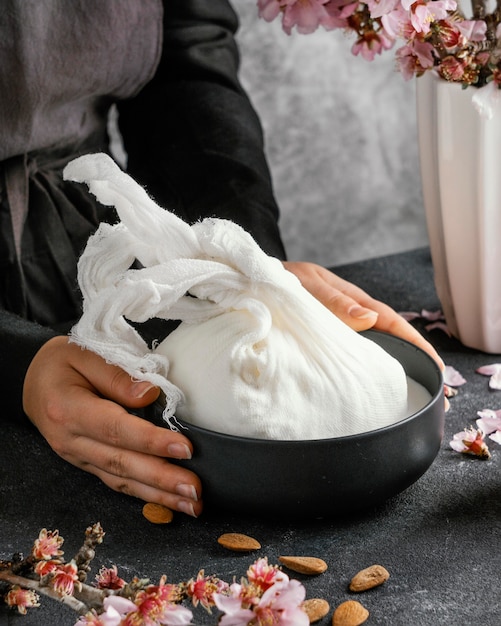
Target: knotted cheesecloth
255	354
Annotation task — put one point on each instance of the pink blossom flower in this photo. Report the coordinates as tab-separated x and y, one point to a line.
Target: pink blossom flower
370	44
397	22
452	68
234	614
339	11
22	598
283	602
407	62
450	36
471	441
47	545
279	605
262	574
108	578
472	30
305	15
65	577
378	8
115	608
494	371
203	588
414	58
423	13
155	605
93	619
43	568
268	9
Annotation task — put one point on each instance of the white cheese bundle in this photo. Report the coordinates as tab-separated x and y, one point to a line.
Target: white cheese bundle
254	355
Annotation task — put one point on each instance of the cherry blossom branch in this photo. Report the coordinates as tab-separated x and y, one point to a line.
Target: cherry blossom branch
35	585
266	590
478	7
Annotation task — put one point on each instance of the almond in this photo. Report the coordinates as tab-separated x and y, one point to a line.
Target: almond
315	609
157	514
368	578
238	542
304	564
350	613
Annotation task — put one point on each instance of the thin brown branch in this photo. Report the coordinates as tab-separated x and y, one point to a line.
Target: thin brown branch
28	583
478	7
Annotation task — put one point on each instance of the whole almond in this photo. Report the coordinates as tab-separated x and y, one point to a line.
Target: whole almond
157	514
350	613
238	542
304	564
368	578
315	609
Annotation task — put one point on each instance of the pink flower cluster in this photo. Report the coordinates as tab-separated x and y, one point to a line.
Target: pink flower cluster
471	440
155	604
434	33
266	597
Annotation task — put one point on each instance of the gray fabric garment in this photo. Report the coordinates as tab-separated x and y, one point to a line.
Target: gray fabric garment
56	92
47	44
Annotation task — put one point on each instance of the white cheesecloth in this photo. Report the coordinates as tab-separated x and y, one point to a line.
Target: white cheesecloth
255	353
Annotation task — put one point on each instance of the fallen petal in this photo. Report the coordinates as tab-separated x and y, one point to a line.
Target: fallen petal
496	436
495	381
489	424
471	441
452	377
457	443
432	316
439	326
489	413
409	315
489	370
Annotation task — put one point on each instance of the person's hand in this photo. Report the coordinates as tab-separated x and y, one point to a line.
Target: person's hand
354	306
76	400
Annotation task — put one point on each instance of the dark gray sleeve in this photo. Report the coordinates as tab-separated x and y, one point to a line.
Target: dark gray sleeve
192	136
20	340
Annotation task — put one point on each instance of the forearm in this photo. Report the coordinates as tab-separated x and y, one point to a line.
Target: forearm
20	340
192	136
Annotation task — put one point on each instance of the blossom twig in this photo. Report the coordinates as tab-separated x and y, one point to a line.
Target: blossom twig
35	585
266	594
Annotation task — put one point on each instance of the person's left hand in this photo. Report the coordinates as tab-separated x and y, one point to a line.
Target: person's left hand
354	306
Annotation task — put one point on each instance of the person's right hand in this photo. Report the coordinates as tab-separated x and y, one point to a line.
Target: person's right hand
76	401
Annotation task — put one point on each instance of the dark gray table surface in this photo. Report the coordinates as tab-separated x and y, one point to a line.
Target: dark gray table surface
439	539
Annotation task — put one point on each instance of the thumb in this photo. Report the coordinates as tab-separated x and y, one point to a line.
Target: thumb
113	382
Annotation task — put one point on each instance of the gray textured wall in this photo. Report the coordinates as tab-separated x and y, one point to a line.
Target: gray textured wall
341	142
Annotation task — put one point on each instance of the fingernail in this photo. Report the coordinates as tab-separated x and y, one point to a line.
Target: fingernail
187	491
140	389
186	507
178	451
361	313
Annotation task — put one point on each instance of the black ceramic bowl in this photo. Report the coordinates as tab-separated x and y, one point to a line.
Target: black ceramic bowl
324	477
